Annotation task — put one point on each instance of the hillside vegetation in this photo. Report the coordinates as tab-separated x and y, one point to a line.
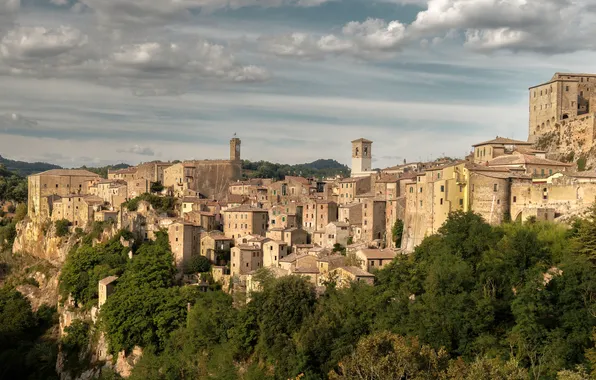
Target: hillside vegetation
317	169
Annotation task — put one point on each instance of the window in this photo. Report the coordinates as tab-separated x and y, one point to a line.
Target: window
372	263
550	171
461	202
442	188
176	239
495	187
541	171
441	201
56	186
420	190
411	189
514	199
472	187
420	203
566	88
498	201
439	175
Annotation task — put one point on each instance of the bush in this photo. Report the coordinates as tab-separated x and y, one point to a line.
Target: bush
62	227
159	204
197	264
11	209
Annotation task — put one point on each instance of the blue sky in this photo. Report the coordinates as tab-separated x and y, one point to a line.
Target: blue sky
95	82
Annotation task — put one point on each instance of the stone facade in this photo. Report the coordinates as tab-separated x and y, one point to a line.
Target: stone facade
361	158
56	182
318	213
185	242
244	220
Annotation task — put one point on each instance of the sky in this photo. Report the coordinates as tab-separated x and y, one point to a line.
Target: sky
97	82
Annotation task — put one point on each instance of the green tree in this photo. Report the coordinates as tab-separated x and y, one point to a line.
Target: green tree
397	231
197	264
388	356
62	227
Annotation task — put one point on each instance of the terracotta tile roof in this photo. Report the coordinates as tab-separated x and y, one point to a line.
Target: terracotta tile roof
68	172
108	280
332	258
503	141
388	179
357	271
301	180
378	254
524	159
249	247
246	208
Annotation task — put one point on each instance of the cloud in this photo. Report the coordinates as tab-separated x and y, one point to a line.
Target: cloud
367	39
16	121
152	12
154	67
544	26
140	150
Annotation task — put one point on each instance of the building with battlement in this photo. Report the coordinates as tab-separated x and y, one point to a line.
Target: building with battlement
564	97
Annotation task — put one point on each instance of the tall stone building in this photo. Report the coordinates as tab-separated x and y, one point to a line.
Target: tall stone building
209	178
361	158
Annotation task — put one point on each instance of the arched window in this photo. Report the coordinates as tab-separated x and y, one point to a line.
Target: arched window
565	116
357	151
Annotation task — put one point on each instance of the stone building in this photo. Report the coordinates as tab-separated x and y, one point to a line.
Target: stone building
361	158
185	242
553	197
273	251
373	219
77	209
216	247
351	188
152	171
245	258
345	276
125	174
204	219
318	213
333	233
244	220
210	178
374	259
529	164
291	236
566	96
114	192
500	146
106	287
55	182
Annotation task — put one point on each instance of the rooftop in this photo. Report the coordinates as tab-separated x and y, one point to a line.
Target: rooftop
362	140
68	172
524	159
357	271
108	280
378	254
246	208
502	141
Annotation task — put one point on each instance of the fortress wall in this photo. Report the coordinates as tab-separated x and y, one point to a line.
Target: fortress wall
214	176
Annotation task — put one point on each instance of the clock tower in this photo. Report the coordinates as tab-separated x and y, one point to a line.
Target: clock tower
235	149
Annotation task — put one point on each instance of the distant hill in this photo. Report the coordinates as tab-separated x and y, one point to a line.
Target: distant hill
26	168
318	169
103	170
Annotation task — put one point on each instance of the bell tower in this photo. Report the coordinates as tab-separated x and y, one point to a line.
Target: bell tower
361	158
235	149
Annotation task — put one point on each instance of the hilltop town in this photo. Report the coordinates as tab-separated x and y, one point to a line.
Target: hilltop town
338	230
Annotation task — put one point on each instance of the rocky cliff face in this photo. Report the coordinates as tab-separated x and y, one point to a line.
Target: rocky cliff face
572	143
39	240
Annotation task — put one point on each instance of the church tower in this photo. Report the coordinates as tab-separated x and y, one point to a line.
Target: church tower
361	158
235	149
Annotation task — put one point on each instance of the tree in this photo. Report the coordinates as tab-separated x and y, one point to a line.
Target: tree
197	264
585	239
62	227
384	355
397	231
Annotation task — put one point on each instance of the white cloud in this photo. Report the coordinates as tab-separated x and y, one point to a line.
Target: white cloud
140	150
547	26
367	39
35	43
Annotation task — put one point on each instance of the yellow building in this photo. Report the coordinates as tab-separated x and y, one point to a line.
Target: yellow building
245	220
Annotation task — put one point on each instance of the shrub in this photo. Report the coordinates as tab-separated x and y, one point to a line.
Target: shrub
11	208
197	264
62	227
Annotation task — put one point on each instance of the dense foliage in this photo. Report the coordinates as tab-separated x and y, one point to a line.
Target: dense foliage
12	187
25	351
197	264
316	169
85	265
474	301
160	204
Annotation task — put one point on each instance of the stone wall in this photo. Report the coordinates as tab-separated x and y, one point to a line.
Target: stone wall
491	202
